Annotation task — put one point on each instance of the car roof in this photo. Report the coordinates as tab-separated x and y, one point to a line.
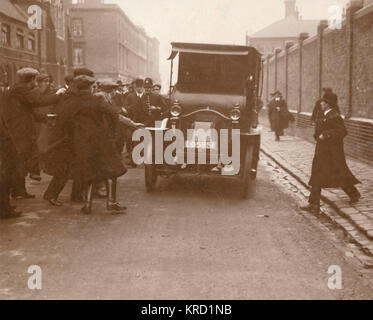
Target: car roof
210	49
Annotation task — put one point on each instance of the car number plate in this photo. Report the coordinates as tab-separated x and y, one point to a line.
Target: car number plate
202	137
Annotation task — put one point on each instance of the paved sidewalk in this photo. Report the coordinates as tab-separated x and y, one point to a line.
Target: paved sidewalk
295	156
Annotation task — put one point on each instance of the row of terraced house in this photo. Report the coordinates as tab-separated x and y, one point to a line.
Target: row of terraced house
72	34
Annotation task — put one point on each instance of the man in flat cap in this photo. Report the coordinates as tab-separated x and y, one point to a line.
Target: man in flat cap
329	167
17	119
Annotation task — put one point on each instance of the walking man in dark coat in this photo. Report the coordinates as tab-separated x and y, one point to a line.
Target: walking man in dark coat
17	120
279	115
329	167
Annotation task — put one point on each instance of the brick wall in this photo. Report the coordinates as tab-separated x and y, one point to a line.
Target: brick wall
293	80
309	76
335	66
362	86
281	74
339	59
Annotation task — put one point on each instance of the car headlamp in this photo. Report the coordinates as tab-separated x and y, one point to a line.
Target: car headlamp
236	113
176	109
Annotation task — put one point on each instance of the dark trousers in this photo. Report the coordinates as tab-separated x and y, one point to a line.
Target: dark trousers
33	165
315	195
18	171
58	183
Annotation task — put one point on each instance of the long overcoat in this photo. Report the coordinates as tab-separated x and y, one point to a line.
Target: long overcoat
329	167
17	116
279	115
82	141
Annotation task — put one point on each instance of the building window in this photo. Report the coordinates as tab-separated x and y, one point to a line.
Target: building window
77	1
77	27
31	42
78	57
5	34
20	39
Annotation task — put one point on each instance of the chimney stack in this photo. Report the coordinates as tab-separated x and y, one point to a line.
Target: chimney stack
290	9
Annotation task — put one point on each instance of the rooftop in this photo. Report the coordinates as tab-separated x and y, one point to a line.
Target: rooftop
10	9
289	27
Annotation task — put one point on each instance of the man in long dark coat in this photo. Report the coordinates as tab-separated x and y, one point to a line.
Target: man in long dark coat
84	141
329	167
279	115
6	168
17	120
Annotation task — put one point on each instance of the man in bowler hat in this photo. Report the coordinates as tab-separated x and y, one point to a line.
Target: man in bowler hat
329	167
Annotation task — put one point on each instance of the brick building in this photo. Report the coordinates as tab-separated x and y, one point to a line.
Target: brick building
108	42
46	49
278	33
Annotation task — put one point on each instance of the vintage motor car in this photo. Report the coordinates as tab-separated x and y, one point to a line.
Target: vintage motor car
217	88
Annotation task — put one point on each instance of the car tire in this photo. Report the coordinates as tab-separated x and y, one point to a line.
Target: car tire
247	180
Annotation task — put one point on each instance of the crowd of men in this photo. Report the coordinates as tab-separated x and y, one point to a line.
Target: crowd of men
77	132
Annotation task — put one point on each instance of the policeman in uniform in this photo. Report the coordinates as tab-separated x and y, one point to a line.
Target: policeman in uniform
155	104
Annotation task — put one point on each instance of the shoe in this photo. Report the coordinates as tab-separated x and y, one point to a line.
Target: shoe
23	196
277	139
35	177
54	202
115	207
356	198
312	208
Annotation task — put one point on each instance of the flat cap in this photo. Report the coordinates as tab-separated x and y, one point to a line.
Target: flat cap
83	72
24	72
83	81
42	77
107	83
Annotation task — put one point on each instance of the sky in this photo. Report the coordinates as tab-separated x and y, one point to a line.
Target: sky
212	21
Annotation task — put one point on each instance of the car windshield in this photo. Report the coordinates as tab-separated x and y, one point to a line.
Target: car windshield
212	73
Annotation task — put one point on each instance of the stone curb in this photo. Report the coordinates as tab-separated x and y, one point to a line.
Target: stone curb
354	219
